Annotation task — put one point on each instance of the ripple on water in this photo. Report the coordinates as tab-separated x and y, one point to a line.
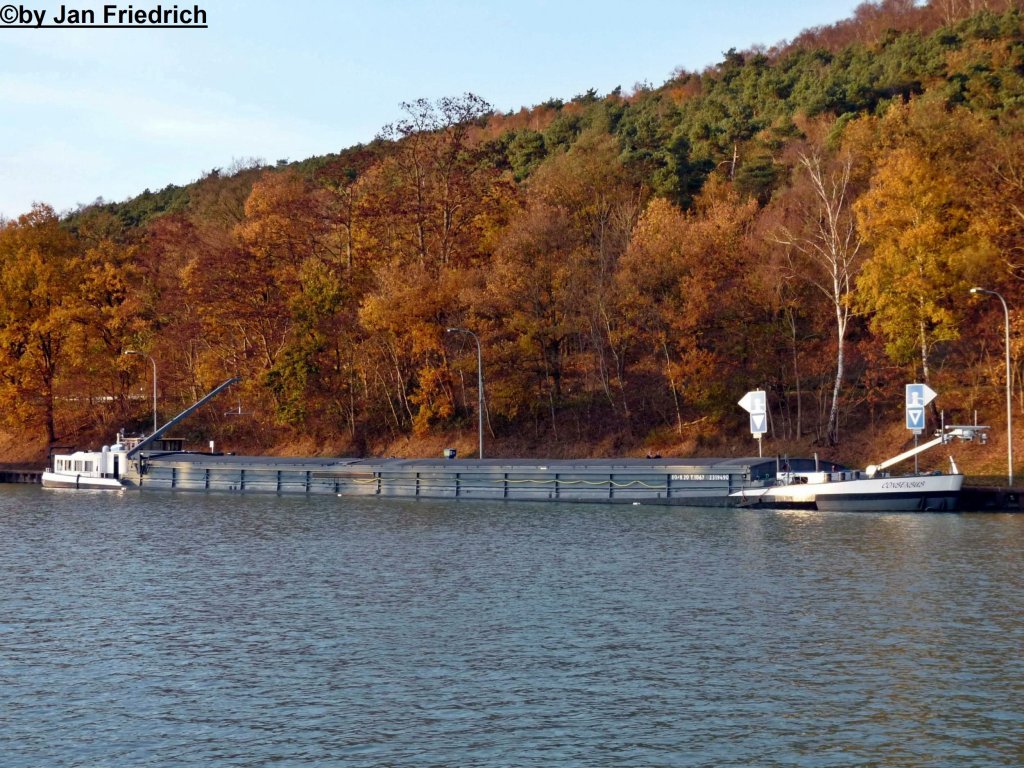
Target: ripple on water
188	630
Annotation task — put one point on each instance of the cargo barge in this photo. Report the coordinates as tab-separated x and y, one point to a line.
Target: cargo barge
156	464
692	482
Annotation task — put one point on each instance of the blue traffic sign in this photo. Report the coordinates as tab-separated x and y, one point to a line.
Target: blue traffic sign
919	395
915	418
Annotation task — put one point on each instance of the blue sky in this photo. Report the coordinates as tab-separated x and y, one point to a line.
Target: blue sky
88	113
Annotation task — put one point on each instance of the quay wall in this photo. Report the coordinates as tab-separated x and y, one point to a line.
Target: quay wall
26	476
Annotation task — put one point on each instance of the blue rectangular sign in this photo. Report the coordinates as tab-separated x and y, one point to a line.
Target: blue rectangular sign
915	418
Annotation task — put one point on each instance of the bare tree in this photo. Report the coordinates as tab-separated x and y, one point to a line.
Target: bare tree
824	251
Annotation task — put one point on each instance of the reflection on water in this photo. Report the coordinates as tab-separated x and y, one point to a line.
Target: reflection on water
195	630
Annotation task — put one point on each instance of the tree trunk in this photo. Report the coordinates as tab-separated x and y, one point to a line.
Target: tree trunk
796	373
924	352
672	386
833	417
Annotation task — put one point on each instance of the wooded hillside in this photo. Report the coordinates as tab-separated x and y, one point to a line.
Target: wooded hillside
806	219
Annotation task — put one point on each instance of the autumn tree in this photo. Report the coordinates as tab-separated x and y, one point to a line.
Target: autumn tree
530	293
925	219
40	274
175	336
998	187
428	193
683	294
595	204
926	244
341	177
286	221
113	313
312	379
241	287
406	316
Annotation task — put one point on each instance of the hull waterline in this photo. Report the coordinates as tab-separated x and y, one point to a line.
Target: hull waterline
80	481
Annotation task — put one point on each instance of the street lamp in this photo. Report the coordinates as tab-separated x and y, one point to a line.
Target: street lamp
479	382
141	354
1009	384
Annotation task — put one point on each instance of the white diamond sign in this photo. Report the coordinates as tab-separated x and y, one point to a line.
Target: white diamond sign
754	401
756	404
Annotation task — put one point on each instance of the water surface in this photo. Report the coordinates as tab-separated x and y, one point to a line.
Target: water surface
218	630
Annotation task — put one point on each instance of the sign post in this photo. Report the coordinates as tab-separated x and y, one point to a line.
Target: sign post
756	404
917	397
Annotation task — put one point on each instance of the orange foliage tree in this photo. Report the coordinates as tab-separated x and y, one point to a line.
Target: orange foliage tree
684	296
928	236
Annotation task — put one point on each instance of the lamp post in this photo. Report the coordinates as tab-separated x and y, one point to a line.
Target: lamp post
479	382
141	354
1009	384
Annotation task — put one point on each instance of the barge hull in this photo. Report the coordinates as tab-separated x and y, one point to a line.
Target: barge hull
684	482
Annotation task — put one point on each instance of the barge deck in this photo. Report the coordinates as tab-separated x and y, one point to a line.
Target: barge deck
706	482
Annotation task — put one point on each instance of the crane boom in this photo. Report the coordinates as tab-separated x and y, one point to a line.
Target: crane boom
181	416
948	433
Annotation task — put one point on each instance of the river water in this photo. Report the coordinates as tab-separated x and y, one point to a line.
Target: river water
215	630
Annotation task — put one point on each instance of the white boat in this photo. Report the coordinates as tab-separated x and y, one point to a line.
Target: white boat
96	470
853	491
868	490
